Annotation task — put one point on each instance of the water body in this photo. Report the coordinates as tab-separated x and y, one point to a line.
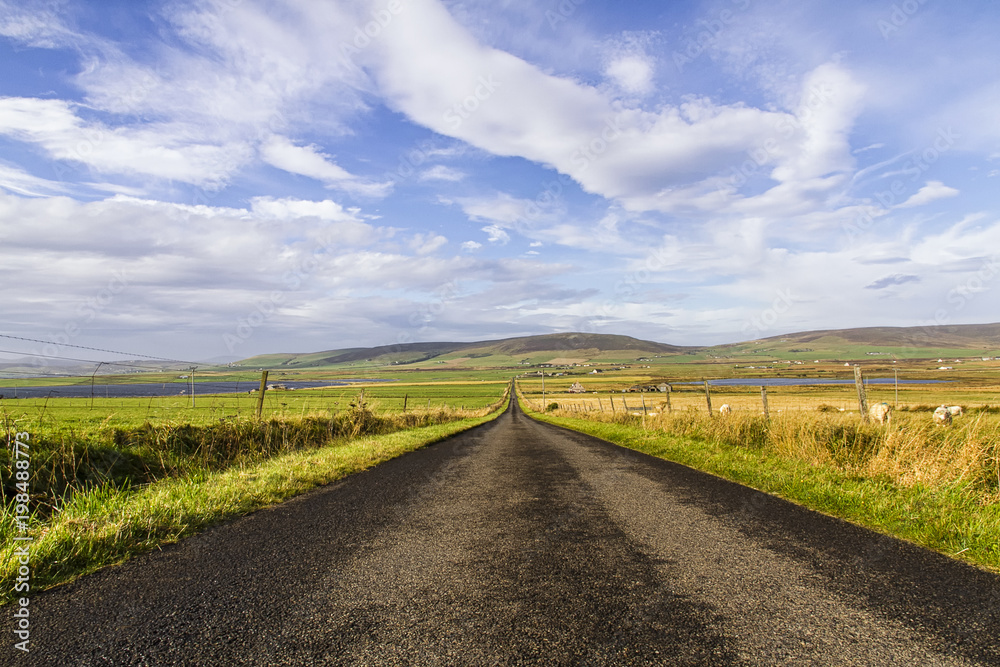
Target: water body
793	382
160	388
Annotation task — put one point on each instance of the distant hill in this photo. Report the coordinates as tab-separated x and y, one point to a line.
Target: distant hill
957	336
904	342
508	351
899	342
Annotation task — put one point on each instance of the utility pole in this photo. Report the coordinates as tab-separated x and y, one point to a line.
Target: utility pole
99	364
192	386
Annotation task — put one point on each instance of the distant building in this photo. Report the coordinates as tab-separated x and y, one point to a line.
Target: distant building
577	388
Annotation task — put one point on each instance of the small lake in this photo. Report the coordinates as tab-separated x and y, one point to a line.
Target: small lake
174	388
792	382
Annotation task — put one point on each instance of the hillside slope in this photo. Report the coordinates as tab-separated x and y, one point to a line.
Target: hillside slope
905	342
970	336
505	351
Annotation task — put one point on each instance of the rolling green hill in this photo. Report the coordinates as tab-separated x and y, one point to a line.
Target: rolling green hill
563	348
505	352
961	340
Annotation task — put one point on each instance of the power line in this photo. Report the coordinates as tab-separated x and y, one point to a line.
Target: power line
97	349
88	361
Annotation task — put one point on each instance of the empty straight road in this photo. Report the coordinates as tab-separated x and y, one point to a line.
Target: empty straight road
521	543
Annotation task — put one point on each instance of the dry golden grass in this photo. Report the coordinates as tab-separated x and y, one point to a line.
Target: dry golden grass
909	451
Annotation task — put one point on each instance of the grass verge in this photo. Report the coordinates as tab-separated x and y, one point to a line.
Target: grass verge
109	524
953	518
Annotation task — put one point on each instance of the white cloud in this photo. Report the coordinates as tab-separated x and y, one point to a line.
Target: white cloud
195	108
158	150
932	191
503	209
279	152
425	244
632	73
497	234
471	245
20	182
870	147
305	160
506	106
442	173
305	260
34	24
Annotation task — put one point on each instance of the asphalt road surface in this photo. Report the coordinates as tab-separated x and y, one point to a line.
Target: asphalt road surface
520	543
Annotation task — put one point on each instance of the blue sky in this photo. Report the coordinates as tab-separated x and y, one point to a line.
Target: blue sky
197	179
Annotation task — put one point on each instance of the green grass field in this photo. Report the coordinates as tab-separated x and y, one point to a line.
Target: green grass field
108	523
65	414
113	477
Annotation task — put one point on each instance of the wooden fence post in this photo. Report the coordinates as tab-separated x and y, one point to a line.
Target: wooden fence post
708	398
670	408
862	396
763	399
895	382
612	404
260	393
405	398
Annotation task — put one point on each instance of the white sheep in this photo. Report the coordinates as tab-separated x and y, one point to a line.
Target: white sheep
955	410
724	409
942	416
880	412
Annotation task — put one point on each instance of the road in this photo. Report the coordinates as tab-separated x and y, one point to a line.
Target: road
520	543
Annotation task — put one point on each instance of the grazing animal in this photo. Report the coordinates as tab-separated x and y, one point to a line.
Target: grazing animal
955	410
942	416
880	412
724	409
